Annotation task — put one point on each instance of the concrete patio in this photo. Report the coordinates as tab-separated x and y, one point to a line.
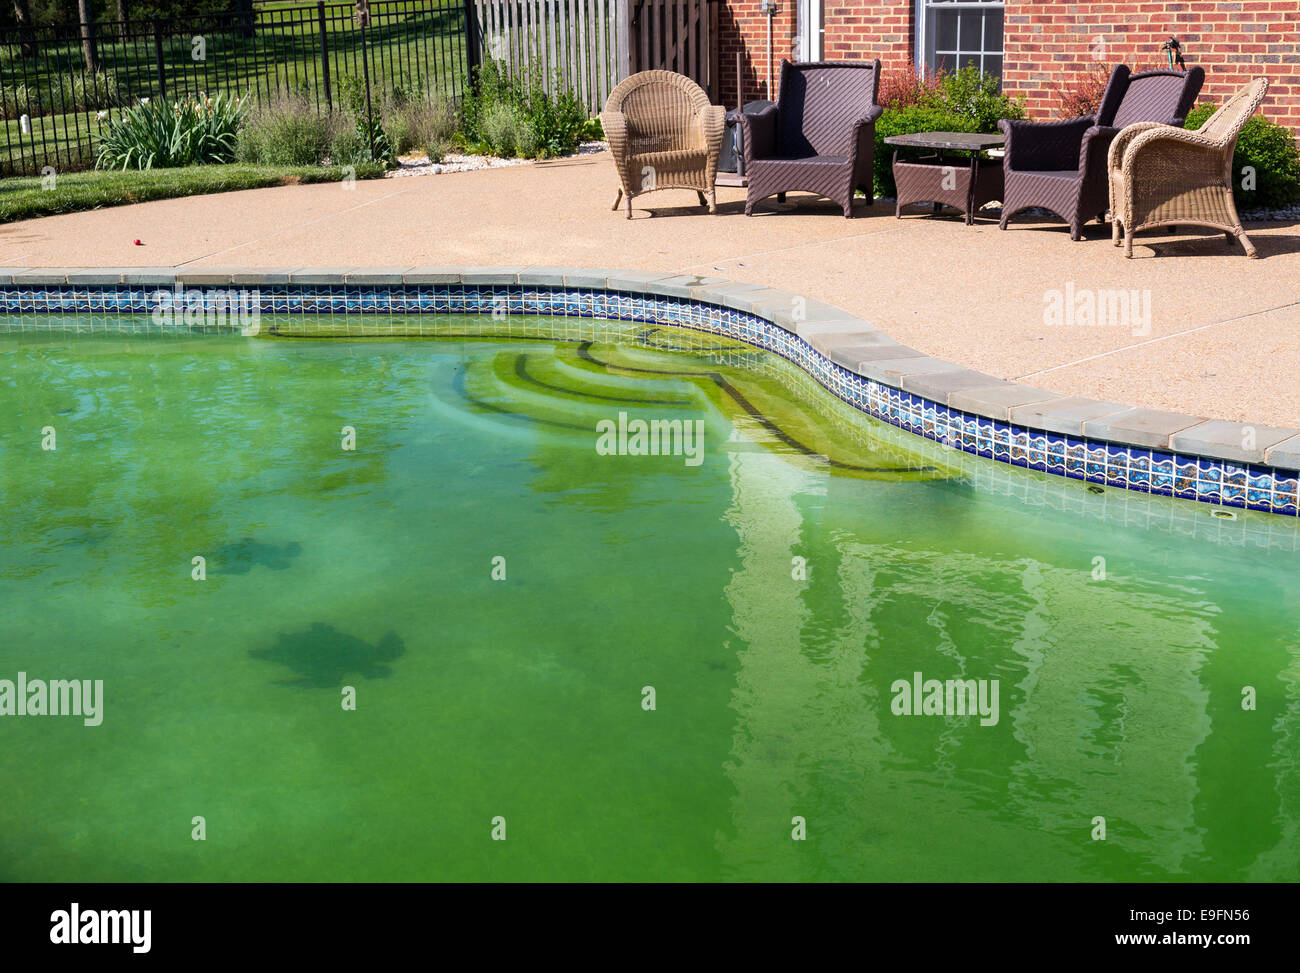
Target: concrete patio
1220	341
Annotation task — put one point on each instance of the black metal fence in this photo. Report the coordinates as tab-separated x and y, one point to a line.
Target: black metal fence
60	85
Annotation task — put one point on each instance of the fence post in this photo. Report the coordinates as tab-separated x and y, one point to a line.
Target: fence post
158	57
365	69
324	54
624	39
473	44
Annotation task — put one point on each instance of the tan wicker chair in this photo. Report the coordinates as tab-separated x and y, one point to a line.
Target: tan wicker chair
1166	176
663	134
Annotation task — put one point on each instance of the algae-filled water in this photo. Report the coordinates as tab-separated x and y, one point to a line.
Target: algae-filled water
506	602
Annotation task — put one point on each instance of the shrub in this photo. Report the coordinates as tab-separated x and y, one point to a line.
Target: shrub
493	86
976	97
540	124
420	121
437	149
160	134
505	132
1081	94
902	86
1270	151
368	142
962	101
902	121
556	121
347	148
287	132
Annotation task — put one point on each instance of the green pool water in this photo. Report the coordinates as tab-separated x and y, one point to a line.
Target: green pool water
772	595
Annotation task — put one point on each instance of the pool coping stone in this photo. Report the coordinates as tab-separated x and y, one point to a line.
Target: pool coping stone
844	339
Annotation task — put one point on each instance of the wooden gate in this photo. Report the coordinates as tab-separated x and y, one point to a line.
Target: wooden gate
590	46
578	44
676	35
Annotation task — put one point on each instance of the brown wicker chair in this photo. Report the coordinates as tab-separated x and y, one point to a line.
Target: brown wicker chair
663	134
819	137
1166	176
1061	166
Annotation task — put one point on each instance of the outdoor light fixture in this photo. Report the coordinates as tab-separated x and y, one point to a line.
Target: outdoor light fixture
1173	50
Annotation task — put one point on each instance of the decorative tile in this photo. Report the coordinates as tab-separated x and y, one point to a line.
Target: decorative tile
1128	467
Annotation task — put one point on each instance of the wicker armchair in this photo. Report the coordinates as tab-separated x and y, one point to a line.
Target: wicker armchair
819	137
663	134
1166	176
1061	166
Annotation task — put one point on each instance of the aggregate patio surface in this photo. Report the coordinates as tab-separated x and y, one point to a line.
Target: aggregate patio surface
1222	339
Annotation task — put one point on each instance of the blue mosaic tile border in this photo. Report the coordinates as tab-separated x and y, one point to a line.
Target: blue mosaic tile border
1149	471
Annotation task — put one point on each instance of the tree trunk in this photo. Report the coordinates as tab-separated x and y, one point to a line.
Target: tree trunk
123	14
23	16
88	36
244	13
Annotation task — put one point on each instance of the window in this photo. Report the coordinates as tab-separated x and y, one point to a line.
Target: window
811	30
953	34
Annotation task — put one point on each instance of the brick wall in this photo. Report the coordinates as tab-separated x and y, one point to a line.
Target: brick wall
874	28
853	29
1234	41
742	26
1048	42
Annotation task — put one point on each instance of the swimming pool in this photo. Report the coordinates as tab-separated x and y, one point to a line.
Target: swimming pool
435	523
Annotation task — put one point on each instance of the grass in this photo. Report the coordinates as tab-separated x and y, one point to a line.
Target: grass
62	141
23	198
424	41
406	43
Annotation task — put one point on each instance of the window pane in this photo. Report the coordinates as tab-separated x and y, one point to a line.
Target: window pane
993	66
993	31
970	30
945	30
969	60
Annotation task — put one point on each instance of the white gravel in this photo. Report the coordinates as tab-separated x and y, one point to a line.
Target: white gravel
419	165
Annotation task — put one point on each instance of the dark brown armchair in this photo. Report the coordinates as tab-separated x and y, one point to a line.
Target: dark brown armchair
1061	166
819	137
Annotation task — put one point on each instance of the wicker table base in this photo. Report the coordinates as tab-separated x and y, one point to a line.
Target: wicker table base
965	184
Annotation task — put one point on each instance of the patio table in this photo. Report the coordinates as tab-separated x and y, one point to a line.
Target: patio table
966	184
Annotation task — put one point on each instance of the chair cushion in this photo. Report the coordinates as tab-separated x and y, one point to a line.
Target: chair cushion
670	159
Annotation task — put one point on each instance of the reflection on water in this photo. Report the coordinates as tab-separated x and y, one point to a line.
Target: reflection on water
1120	697
244	555
323	657
771	597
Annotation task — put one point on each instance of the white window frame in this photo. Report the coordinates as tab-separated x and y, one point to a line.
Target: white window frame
925	26
811	30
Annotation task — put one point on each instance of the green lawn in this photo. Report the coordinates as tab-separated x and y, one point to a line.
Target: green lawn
406	42
415	44
24	198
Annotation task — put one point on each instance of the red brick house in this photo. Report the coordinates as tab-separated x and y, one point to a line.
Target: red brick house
1033	45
